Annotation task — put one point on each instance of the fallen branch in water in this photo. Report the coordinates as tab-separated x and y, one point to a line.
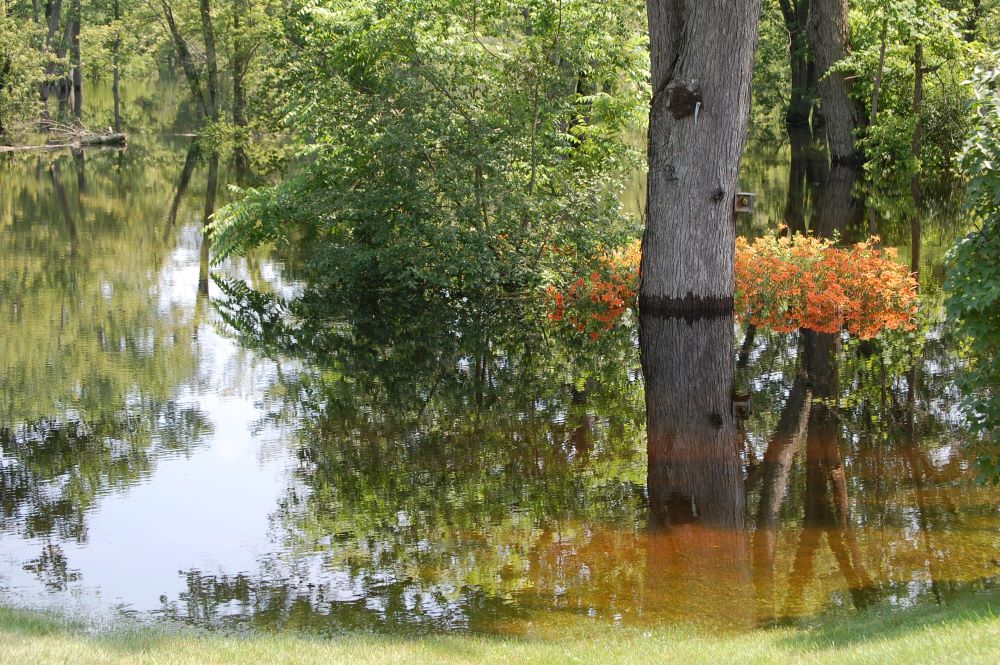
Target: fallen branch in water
87	141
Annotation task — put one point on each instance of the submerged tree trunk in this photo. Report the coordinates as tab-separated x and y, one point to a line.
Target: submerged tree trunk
702	59
829	39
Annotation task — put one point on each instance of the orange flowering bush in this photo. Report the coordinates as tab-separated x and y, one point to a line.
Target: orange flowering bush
782	284
594	305
803	282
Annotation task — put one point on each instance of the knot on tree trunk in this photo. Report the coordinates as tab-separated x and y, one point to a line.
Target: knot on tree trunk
683	97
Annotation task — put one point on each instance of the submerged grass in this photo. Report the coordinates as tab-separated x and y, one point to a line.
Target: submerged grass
966	630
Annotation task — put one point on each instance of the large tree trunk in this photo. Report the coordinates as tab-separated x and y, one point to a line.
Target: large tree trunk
829	40
698	559
702	60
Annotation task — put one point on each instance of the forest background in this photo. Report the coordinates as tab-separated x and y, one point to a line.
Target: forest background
466	146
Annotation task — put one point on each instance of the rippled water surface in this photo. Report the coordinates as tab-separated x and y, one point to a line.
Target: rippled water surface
167	450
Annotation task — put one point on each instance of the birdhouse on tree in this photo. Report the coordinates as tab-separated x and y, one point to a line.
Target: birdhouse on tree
744	202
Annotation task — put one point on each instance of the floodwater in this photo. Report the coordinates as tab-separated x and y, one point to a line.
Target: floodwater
171	451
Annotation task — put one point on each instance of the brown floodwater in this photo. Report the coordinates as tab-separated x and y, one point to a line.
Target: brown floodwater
172	449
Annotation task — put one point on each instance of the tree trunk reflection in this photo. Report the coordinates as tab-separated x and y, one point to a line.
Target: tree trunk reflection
698	551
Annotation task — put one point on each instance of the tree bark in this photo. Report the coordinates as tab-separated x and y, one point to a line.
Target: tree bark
830	39
240	62
702	60
876	90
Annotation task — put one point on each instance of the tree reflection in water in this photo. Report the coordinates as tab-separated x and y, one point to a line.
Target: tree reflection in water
460	465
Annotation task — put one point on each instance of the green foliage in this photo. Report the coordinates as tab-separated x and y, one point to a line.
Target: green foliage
449	140
948	59
21	67
973	281
771	78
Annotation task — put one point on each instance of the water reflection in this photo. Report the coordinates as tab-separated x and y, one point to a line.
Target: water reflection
246	452
698	553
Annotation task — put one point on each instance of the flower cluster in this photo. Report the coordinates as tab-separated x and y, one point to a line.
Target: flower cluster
803	282
782	284
594	305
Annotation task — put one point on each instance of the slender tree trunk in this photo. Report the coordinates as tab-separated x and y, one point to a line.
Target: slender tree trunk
211	60
184	56
702	60
53	13
878	72
206	241
75	64
918	103
116	82
240	63
972	22
4	72
829	39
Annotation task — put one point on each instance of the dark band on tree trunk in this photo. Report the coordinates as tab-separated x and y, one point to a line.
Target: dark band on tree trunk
690	307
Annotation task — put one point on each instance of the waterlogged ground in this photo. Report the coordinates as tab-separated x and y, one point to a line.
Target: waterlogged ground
171	449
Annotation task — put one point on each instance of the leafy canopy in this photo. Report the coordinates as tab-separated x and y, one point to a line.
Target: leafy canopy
448	140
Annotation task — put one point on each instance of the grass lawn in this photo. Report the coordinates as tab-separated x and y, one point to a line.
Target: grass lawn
963	631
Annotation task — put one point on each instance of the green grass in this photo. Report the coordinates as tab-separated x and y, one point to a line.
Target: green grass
963	631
